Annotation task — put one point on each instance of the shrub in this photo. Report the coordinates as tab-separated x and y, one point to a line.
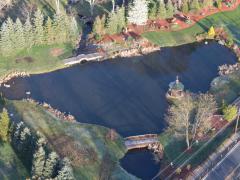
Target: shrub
230	113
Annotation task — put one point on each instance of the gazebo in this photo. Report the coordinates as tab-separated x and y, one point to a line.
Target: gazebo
176	89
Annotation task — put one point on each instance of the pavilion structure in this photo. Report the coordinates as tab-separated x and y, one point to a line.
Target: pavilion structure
176	89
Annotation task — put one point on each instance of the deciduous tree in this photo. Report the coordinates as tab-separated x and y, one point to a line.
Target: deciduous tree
4	125
179	117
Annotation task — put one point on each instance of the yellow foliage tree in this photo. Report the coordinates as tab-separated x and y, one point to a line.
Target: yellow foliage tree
211	32
4	125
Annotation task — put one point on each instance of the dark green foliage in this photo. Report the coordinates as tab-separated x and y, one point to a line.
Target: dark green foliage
195	5
170	9
185	7
15	37
19	35
161	10
38	28
99	27
38	161
65	171
116	21
50	165
152	10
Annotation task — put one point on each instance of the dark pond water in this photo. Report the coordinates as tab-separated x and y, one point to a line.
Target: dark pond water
127	94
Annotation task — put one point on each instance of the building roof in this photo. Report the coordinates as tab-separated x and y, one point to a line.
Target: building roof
176	85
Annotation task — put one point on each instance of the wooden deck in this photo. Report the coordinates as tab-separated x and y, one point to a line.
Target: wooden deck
141	141
83	57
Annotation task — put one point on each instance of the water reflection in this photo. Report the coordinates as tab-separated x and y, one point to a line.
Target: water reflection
127	94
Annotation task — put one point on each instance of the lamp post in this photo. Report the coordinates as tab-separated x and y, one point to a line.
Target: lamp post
238	115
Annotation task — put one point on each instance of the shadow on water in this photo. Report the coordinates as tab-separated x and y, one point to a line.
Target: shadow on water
127	94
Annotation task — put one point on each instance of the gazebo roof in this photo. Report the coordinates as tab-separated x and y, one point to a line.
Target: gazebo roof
176	85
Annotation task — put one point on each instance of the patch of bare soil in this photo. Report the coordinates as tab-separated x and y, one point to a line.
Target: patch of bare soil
26	59
55	52
68	147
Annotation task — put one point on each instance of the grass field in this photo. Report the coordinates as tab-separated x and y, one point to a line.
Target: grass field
92	154
36	60
226	88
10	166
229	20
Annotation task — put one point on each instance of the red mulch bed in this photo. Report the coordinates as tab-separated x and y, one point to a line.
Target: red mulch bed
153	25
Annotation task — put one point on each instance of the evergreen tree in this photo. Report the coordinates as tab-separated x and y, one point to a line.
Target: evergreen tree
38	28
65	171
4	125
19	40
170	9
138	12
152	13
185	7
161	10
73	31
98	26
38	162
28	33
60	28
49	32
5	42
50	165
116	21
195	5
207	3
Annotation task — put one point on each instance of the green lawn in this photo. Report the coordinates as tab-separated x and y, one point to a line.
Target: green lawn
92	154
10	166
174	148
42	59
229	20
226	88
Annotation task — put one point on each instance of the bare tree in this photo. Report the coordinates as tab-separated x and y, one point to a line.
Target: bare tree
113	5
179	117
205	108
57	6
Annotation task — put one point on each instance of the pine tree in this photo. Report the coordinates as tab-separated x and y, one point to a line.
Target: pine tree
73	31
116	21
195	5
5	41
19	35
38	28
38	162
65	171
4	125
207	3
50	165
49	32
138	12
60	28
98	26
152	13
170	9
161	10
28	33
185	7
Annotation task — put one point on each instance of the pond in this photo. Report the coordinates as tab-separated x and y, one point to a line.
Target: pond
126	94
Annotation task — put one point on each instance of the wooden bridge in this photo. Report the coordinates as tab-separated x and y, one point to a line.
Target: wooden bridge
84	57
140	141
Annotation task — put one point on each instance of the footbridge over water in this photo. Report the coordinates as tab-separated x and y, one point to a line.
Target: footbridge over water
141	141
84	57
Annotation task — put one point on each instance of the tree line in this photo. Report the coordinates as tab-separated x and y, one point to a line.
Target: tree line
37	31
139	11
40	160
33	150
